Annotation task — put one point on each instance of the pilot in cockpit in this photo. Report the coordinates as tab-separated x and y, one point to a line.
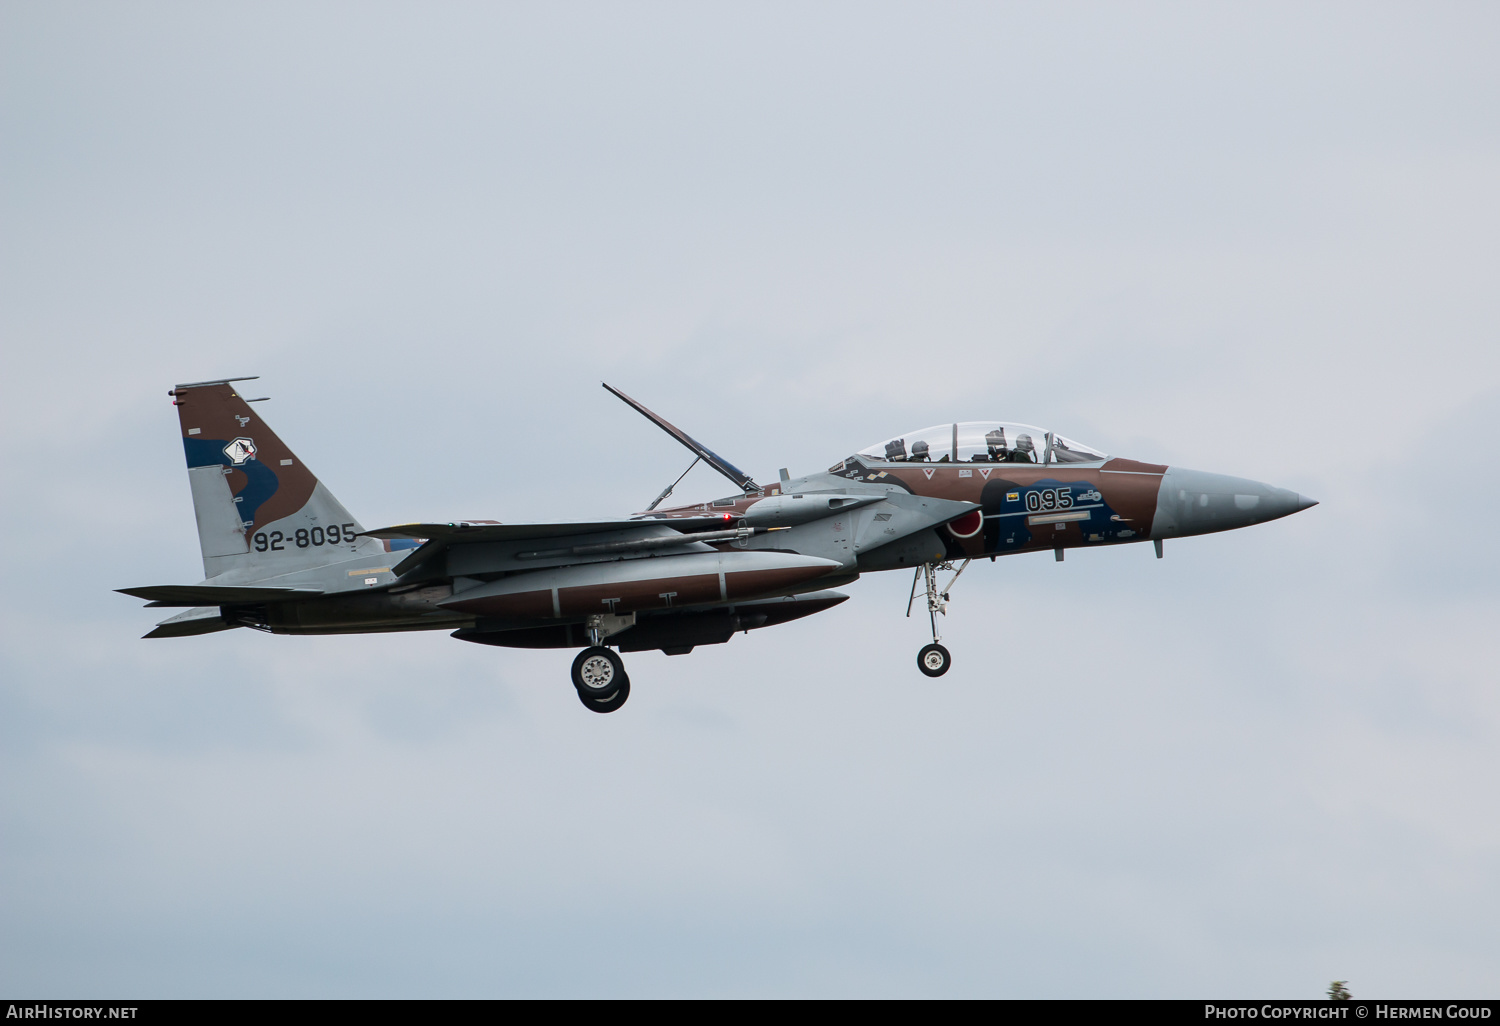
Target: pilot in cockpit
994	445
920	452
1025	450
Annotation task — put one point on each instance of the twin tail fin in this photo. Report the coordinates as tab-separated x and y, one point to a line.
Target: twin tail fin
261	512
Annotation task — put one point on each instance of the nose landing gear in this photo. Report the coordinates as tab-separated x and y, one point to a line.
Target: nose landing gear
934	660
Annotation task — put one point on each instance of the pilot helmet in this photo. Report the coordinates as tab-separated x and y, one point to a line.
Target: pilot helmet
919	450
1025	444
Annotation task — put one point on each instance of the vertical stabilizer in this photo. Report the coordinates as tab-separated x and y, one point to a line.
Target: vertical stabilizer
260	511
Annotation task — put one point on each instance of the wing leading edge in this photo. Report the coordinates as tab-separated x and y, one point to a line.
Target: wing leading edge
437	537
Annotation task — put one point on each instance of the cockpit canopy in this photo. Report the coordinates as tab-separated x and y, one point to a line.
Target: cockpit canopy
981	441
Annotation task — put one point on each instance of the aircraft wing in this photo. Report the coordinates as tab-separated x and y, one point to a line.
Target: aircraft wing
213	594
441	536
488	531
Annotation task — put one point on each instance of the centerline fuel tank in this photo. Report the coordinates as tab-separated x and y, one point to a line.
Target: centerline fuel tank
630	585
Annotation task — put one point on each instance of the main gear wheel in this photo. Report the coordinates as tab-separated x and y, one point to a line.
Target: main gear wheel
597	672
608	703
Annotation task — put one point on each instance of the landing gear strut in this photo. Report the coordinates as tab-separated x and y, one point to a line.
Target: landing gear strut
934	659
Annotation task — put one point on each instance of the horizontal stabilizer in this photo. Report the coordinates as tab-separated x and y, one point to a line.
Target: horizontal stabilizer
213	594
199	620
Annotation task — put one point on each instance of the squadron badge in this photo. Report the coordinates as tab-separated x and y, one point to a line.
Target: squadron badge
240	450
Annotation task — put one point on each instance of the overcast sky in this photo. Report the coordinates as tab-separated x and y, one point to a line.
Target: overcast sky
1259	239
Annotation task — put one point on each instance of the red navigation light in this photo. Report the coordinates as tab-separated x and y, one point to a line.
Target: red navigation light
728	516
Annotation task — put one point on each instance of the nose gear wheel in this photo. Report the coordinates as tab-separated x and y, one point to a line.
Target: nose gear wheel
934	660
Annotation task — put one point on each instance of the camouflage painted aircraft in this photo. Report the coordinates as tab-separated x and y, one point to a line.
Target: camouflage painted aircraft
280	554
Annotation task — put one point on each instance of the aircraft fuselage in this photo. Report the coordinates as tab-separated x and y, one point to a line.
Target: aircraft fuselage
282	555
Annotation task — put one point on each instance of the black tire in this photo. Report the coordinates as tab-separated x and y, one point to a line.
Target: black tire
597	672
934	660
609	703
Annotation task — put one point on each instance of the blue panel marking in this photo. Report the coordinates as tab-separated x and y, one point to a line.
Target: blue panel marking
205	452
261	481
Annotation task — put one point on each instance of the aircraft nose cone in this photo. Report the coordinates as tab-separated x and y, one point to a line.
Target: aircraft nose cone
1197	502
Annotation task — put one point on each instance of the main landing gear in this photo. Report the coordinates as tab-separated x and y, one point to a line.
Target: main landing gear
934	660
599	675
600	678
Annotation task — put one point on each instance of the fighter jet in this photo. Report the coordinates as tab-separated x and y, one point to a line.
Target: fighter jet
282	555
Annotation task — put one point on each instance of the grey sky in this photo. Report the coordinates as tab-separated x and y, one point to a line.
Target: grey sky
1260	240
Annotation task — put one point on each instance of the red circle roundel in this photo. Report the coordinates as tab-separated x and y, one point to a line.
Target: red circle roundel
968	525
